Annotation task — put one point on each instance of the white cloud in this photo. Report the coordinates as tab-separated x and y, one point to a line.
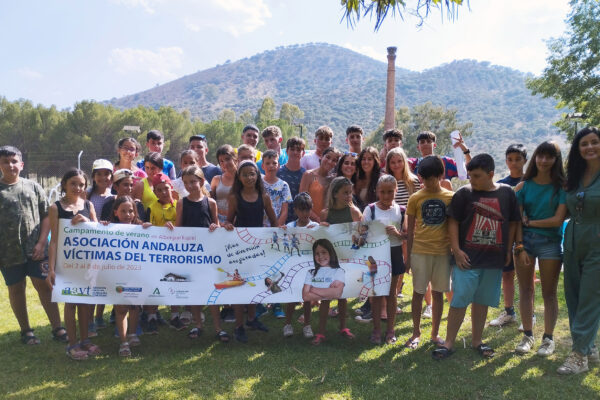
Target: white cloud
247	15
368	51
29	73
159	64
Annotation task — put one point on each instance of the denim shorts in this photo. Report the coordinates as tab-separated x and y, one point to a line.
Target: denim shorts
542	247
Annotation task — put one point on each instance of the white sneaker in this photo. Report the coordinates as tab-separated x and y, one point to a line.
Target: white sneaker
503	319
427	312
307	332
574	364
288	330
546	348
532	325
594	357
525	345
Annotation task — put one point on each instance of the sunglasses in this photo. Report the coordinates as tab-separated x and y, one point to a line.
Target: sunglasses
580	197
350	153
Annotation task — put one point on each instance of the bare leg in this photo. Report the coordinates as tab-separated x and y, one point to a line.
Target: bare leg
83	314
18	303
478	317
392	303
436	315
121	321
549	274
416	307
289	312
526	290
428	295
70	323
134	314
239	315
197	314
508	288
343	312
215	315
376	312
455	320
251	312
45	296
307	309
323	314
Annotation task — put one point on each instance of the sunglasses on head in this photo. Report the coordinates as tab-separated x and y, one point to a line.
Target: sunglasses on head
350	153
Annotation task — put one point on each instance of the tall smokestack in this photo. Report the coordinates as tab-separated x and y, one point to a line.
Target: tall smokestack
390	112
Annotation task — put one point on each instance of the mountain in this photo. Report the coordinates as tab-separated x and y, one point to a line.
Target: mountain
339	87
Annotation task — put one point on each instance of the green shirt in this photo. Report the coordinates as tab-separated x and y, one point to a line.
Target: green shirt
23	206
541	202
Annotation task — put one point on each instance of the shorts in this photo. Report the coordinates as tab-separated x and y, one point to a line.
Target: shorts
17	273
432	268
398	267
542	247
477	285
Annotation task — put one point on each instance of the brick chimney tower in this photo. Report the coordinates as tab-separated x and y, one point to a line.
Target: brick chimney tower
390	108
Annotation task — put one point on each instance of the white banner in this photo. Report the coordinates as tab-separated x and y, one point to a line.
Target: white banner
126	264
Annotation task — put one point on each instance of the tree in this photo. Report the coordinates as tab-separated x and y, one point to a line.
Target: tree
424	117
356	9
290	113
573	72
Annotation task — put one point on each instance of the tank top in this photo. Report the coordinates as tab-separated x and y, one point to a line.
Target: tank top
221	194
62	213
249	214
317	193
339	216
148	196
196	213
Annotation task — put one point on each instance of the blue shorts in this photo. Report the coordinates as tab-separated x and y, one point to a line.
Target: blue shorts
542	247
477	285
17	273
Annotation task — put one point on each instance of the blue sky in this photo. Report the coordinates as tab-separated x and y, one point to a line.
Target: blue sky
63	51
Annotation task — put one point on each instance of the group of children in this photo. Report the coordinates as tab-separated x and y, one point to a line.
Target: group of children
455	244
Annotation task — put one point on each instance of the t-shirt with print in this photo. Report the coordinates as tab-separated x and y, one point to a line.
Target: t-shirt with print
450	169
510	181
279	193
23	206
293	179
541	202
431	225
393	216
484	218
324	277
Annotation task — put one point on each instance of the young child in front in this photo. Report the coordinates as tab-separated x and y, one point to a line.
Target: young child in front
23	240
72	206
200	211
277	189
247	204
303	205
483	220
516	157
340	209
187	158
323	283
428	246
391	214
273	137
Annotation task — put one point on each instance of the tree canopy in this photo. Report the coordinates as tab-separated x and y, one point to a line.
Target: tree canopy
572	75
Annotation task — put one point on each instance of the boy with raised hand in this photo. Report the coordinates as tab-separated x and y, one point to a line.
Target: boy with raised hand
273	137
24	243
155	142
199	144
323	139
426	146
428	246
292	172
250	137
516	157
484	217
277	189
354	138
392	138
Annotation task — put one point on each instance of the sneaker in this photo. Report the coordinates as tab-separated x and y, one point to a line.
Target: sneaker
152	327
92	330
288	330
260	310
525	345
594	357
427	312
504	319
307	332
365	318
278	312
546	348
256	324
240	334
532	326
176	324
574	364
100	324
365	308
228	314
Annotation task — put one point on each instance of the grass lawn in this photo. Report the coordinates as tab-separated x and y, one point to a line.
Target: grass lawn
171	366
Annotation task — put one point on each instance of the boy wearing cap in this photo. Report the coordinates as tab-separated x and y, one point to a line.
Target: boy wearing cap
24	243
155	142
273	137
199	144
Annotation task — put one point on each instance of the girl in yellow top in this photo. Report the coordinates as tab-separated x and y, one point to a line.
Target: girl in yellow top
144	190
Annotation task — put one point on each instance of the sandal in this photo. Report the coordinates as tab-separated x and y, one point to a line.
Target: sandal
375	337
318	339
441	353
485	351
194	333
124	350
76	353
346	333
133	340
438	342
223	336
90	348
29	339
412	343
390	338
63	338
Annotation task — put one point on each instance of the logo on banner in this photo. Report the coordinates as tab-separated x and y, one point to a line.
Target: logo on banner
174	278
178	293
156	293
125	289
76	291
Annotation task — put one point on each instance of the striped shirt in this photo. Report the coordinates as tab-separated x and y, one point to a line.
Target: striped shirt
402	194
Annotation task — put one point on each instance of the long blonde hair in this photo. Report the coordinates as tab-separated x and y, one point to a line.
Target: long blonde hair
197	172
407	176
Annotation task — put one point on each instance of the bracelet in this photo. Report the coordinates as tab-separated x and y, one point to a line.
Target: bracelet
467	151
518	250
